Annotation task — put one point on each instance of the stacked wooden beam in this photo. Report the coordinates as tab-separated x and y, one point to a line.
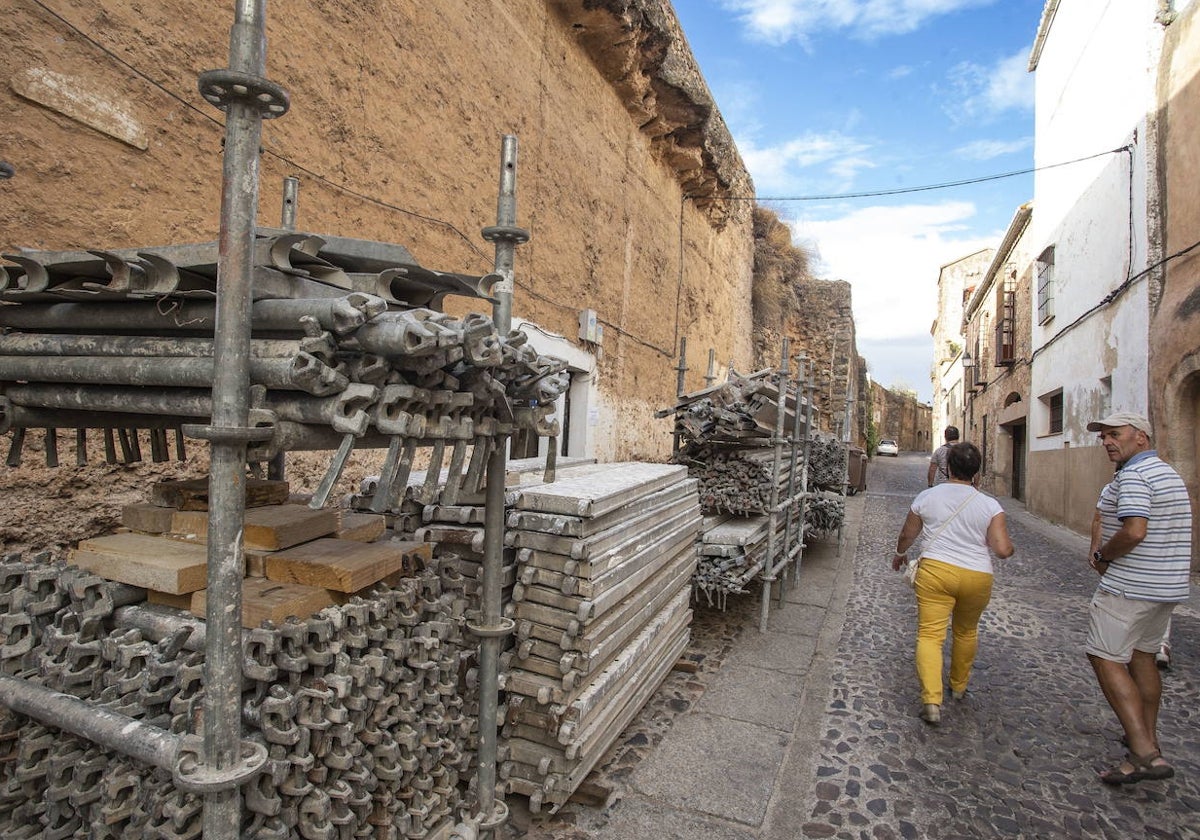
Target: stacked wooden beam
298	560
605	558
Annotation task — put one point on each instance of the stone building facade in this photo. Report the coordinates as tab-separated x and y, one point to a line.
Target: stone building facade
902	418
956	281
997	323
1174	336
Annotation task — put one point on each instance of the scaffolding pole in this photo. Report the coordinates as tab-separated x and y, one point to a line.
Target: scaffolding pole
492	629
247	98
777	441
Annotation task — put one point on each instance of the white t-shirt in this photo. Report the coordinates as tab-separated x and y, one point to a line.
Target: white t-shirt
964	541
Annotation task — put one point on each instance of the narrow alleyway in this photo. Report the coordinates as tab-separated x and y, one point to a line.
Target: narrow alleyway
1018	757
811	729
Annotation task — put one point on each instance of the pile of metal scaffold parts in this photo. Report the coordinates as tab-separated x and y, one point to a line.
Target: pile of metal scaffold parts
362	708
348	349
751	444
366	708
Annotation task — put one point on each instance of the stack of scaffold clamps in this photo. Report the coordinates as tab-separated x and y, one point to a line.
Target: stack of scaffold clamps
360	705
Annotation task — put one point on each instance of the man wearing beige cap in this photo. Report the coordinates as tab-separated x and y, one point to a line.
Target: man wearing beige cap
1142	548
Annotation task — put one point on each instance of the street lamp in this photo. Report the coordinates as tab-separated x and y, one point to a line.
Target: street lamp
967	361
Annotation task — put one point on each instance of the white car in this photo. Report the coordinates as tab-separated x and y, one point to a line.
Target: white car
887	447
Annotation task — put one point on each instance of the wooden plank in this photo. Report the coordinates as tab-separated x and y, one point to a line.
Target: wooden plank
270	528
268	600
192	493
146	518
343	565
166	565
360	527
166	599
82	99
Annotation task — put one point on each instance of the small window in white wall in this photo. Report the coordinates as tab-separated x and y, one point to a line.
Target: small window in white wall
1045	286
1106	396
1054	411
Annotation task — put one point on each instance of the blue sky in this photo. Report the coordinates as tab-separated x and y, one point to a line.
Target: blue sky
842	96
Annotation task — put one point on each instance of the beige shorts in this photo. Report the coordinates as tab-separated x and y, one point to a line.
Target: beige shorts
1119	626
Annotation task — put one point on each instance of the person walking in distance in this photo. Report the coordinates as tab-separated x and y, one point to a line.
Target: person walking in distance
954	578
938	471
1141	547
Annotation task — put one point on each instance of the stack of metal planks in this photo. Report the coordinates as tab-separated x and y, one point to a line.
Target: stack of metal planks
604	564
733	550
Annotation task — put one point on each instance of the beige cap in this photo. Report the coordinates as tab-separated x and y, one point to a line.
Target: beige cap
1122	418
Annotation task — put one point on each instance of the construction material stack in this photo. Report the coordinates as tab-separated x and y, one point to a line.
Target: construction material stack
740	440
347	350
605	558
826	507
360	681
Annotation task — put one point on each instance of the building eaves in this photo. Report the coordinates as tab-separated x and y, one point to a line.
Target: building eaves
1016	227
1039	40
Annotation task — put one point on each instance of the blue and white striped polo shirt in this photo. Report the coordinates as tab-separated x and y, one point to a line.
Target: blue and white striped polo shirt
1157	568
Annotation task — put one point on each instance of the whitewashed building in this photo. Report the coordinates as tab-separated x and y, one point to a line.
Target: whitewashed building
1095	232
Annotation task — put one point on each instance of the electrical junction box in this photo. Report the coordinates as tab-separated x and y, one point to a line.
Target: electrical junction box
590	328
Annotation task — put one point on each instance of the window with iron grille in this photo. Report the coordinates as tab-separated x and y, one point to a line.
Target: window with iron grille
1045	285
1054	407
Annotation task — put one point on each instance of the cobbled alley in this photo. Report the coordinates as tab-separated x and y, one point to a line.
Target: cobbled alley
811	729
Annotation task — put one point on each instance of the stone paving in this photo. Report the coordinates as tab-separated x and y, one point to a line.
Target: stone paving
811	730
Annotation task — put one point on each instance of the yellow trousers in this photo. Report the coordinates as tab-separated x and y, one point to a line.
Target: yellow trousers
945	591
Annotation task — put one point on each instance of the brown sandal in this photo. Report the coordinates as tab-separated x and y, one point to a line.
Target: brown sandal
1143	769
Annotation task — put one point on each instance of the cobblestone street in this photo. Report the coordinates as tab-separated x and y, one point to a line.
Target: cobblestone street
811	729
1019	756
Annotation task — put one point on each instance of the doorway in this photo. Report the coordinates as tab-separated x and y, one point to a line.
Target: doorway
1018	460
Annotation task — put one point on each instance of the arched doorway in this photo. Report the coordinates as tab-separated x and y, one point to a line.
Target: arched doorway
1183	421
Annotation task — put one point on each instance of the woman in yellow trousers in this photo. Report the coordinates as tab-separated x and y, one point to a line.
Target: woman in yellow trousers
962	528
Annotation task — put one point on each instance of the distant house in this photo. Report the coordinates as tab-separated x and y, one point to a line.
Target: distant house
996	327
956	281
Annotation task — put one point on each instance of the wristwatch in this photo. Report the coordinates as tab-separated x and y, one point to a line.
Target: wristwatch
1098	557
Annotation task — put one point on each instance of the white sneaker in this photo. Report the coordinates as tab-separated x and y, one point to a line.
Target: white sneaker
931	713
1163	657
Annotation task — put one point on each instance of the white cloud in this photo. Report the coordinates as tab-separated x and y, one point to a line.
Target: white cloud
891	256
776	169
988	149
780	21
900	72
982	93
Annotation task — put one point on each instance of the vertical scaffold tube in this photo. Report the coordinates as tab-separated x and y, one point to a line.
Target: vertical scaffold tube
494	627
247	98
781	382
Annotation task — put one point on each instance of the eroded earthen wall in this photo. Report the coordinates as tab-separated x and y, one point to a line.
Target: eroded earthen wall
398	108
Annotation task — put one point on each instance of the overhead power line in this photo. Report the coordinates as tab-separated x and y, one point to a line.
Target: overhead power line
903	190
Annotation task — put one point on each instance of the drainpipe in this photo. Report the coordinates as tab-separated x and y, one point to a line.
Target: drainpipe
494	627
247	98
